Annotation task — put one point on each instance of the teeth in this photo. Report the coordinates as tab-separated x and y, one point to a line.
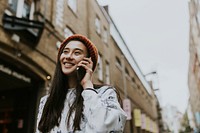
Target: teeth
68	64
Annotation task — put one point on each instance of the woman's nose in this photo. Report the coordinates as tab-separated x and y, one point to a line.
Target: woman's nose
69	56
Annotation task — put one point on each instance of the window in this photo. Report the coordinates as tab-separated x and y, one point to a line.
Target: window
138	86
98	25
73	5
107	73
59	13
67	32
21	8
133	79
26	11
127	72
133	82
32	10
58	43
105	35
13	5
118	62
100	68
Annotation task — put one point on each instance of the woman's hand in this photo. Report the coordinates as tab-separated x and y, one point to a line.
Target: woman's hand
87	64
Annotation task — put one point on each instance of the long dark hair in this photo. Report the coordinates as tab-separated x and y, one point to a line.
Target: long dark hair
51	115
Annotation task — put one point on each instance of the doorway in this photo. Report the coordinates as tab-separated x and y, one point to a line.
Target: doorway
18	96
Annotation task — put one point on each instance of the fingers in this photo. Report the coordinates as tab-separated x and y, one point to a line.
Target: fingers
88	60
86	63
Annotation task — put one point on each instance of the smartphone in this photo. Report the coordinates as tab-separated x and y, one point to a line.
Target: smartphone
80	73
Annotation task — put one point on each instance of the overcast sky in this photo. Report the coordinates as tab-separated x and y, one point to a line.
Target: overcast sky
157	33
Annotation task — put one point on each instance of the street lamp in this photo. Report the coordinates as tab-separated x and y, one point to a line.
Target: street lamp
150	73
151	81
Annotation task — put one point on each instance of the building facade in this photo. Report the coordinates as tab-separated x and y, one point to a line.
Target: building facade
31	32
172	118
194	61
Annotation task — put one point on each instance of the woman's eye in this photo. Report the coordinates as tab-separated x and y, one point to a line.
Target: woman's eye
77	53
65	51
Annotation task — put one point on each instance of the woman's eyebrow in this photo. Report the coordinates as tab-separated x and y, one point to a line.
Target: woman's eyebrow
78	49
74	49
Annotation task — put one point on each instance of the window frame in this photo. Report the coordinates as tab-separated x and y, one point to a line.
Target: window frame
19	7
70	32
59	13
73	5
98	25
105	35
118	63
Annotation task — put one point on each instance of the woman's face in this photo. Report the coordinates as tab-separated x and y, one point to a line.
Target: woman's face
71	55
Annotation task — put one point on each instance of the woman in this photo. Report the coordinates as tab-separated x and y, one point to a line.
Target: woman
74	104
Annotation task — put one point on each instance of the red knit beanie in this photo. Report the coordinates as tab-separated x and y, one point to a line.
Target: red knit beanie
92	50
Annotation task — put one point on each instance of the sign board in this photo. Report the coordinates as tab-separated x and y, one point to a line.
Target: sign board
143	121
137	117
127	108
14	73
147	123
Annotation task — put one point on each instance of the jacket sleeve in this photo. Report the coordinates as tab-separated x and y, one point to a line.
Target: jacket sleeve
102	111
40	110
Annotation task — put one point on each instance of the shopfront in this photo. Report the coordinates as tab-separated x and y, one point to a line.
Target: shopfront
18	97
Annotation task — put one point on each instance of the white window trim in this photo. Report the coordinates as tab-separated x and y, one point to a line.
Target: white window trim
59	16
98	25
73	5
32	10
105	36
58	44
20	6
68	32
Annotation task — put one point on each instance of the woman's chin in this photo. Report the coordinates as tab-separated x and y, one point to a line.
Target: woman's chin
69	72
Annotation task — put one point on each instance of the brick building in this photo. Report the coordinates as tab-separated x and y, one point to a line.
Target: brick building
194	61
30	34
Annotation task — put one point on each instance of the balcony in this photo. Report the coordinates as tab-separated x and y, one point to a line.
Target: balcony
29	30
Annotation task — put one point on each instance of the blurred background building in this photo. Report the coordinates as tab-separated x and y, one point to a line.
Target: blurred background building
172	118
31	32
194	65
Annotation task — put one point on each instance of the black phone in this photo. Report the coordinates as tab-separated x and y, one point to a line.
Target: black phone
80	73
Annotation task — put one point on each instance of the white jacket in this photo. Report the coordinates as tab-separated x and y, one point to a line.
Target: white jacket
101	113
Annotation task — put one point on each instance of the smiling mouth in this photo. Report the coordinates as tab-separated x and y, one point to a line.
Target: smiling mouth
67	64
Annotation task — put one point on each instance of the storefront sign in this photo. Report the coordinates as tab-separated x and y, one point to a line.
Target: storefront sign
147	123
151	126
15	74
155	130
143	122
127	108
137	117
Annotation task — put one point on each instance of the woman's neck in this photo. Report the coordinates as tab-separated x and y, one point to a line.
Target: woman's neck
72	81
